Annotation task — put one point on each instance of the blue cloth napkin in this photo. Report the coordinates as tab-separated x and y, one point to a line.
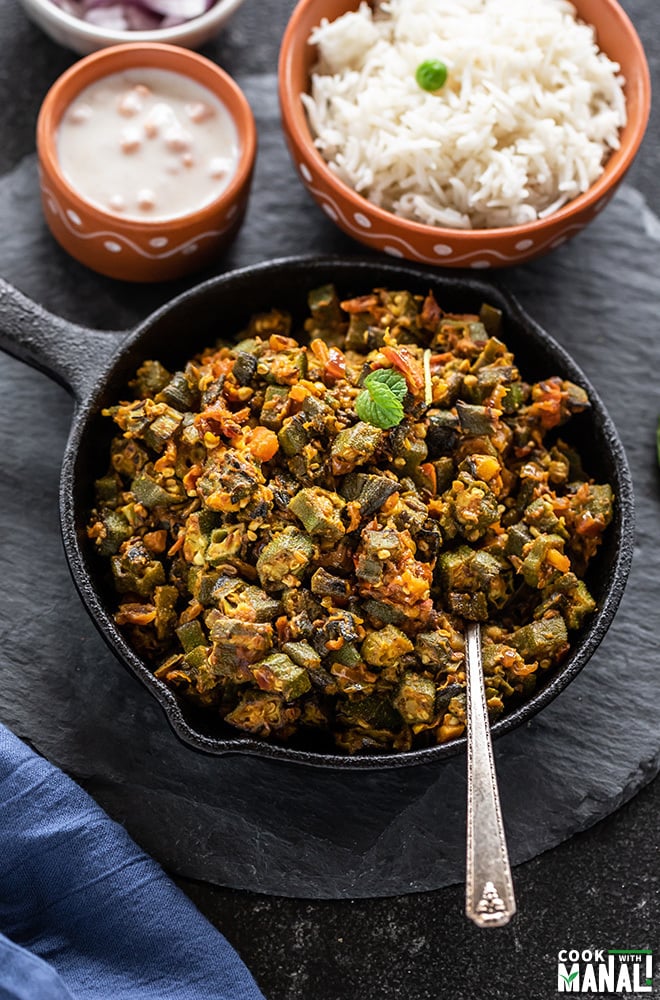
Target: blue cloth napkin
84	913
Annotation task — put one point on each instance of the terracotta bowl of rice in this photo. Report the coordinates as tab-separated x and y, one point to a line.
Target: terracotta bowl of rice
541	113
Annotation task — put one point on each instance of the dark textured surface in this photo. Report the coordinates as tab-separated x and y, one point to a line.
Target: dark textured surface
63	691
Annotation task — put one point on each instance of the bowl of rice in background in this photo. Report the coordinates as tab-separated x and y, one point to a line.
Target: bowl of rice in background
542	112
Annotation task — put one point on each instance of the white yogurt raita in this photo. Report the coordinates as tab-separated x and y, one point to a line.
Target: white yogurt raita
148	144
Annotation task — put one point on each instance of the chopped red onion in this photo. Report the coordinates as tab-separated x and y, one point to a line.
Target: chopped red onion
135	15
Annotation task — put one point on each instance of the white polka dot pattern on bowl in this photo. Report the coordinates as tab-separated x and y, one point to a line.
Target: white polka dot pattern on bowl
305	172
524	244
155	248
362	220
442	250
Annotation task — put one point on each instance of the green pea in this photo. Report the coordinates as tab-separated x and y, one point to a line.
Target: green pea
431	74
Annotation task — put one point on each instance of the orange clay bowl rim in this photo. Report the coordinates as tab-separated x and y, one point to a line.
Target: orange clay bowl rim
161	56
632	134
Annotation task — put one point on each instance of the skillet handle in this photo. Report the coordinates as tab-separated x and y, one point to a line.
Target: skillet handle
70	354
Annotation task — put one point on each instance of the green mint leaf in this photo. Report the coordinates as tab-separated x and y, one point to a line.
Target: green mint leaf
571	977
394	381
384	412
383	396
379	403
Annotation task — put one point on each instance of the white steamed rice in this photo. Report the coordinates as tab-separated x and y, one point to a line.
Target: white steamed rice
526	121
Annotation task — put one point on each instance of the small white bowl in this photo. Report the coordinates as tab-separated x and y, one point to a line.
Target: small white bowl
84	38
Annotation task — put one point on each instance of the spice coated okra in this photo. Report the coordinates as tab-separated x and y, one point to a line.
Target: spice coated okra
298	531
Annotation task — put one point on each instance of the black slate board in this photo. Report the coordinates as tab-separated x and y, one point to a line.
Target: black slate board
259	825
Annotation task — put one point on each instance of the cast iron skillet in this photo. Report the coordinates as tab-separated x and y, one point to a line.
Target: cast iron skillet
95	368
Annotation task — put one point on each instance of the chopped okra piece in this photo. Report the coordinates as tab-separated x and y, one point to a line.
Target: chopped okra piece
279	673
160	430
324	305
237	643
543	560
491	319
456	568
340	628
224	544
230	479
262	713
437	649
134	570
415	699
320	512
293	437
327	321
275	402
263	607
540	514
324	584
165	600
447	695
371	712
204	585
492	349
385	647
148	492
475	420
287	367
354	446
180	392
347	655
540	640
514	398
579	605
197	660
107	489
382	613
369	491
191	635
115	530
442	433
474	509
473	607
284	559
302	654
573	601
518	537
150	379
410	454
317	414
244	367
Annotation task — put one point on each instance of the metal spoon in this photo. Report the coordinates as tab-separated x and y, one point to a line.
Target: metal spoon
489	898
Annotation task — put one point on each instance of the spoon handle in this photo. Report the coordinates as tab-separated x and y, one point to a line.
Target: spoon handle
489	898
